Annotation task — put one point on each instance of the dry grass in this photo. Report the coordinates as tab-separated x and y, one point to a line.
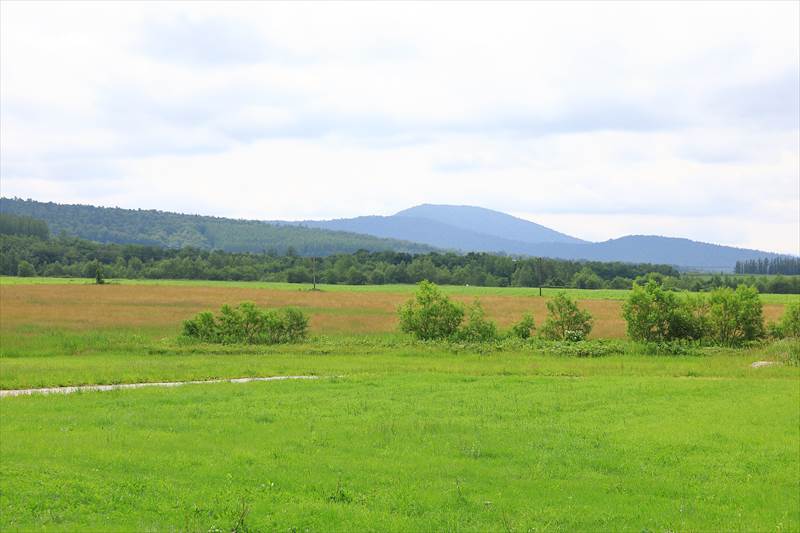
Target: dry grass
163	308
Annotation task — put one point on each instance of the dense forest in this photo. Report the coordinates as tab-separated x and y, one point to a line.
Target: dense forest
173	230
789	266
24	251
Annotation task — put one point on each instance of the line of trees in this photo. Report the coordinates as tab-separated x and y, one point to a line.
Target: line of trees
22	225
789	266
26	250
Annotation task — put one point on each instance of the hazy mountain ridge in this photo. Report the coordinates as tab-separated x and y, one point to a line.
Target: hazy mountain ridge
488	222
430	232
484	230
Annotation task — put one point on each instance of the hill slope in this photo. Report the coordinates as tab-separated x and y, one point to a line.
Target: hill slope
683	253
488	222
430	232
174	230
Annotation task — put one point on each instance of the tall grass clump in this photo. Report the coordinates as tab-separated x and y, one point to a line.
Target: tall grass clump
247	324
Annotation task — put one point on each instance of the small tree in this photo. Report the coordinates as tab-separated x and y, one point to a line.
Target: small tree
430	314
478	328
565	321
735	316
524	328
99	278
25	269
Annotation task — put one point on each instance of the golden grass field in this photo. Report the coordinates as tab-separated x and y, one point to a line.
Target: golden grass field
161	309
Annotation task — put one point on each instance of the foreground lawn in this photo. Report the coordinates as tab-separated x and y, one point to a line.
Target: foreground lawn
414	451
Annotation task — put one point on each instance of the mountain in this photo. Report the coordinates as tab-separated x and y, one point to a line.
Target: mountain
683	253
476	229
175	230
487	222
463	228
427	231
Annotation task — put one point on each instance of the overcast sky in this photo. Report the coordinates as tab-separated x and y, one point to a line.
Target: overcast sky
598	120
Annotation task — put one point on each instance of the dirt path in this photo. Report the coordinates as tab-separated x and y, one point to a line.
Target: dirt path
86	388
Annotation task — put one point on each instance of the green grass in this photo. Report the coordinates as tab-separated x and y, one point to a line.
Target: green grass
411	451
97	358
396	435
599	294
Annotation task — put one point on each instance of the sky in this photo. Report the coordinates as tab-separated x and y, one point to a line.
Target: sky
596	119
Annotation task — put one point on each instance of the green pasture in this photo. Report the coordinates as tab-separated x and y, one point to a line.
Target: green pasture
413	450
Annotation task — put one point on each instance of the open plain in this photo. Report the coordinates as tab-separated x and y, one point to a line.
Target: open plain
394	434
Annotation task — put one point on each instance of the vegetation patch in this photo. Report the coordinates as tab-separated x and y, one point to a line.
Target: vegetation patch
247	324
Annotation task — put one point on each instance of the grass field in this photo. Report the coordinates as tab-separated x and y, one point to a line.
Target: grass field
396	435
405	289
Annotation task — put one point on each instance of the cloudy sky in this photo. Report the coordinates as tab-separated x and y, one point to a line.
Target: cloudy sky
599	120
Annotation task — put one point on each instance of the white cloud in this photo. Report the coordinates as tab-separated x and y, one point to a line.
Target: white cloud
600	119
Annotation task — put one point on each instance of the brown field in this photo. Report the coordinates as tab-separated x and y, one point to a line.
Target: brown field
161	309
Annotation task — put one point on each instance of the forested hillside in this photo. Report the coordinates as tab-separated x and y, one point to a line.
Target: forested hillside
174	230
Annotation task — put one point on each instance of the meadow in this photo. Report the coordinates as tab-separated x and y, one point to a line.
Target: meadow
395	435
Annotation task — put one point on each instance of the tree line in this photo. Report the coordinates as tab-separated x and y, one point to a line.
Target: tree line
789	266
26	249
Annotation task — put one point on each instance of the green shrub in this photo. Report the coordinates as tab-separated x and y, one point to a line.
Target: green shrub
657	315
735	316
565	321
202	327
430	314
524	328
789	325
477	328
247	324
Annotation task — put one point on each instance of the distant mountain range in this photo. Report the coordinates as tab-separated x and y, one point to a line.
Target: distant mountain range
419	229
468	228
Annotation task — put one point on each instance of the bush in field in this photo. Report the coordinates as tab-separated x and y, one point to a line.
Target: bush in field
477	328
524	328
247	324
789	325
657	315
565	321
430	314
735	316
